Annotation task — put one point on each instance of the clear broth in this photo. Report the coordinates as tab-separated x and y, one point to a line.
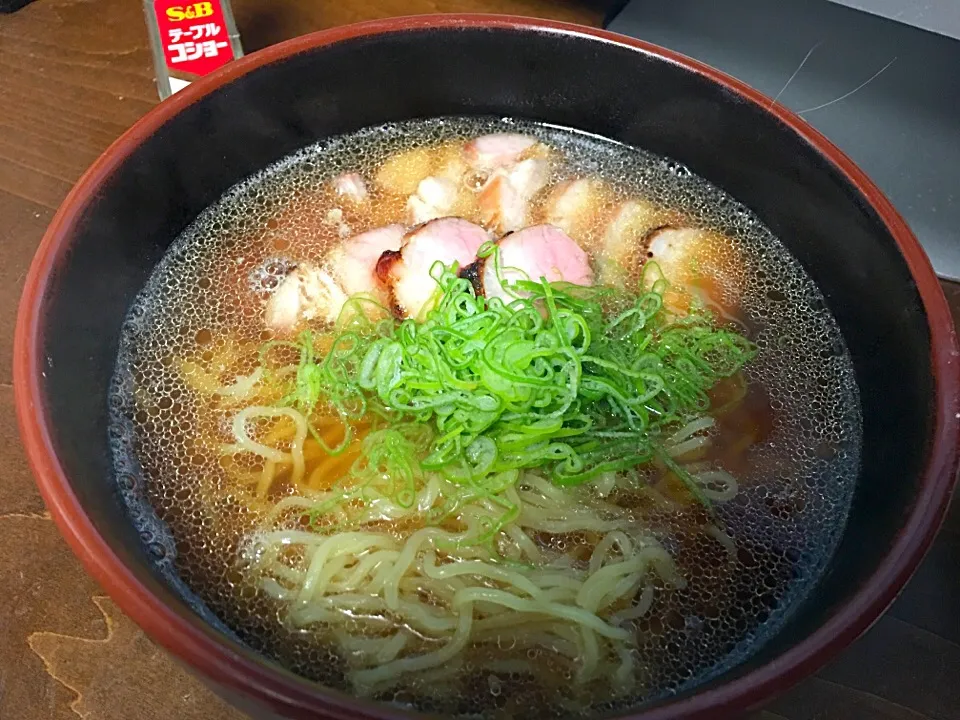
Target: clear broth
793	441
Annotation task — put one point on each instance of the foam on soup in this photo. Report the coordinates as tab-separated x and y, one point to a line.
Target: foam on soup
704	589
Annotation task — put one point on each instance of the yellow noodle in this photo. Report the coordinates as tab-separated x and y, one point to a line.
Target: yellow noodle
570	582
688	446
723	538
288	537
689	430
403	563
330	568
626	588
368	578
393	670
376	649
294	502
367	565
275	589
590	654
524	544
560	527
350	542
243	387
266	479
425	617
717	485
661	561
602	581
478	568
640	609
248	444
289	575
481	594
605	484
617	538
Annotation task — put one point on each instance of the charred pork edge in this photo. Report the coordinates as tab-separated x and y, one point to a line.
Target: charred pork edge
649	237
385	264
474	273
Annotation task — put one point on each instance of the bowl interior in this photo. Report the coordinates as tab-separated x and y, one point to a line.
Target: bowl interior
159	185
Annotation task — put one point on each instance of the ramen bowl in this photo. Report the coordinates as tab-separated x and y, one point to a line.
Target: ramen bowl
118	221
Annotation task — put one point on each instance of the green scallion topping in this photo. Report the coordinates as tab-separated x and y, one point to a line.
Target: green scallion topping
572	381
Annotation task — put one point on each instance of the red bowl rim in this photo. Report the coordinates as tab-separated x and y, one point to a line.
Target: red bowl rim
272	687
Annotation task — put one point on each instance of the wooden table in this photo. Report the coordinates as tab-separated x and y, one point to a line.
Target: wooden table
73	75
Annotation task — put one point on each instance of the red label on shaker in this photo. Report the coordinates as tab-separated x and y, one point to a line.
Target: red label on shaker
194	36
189	40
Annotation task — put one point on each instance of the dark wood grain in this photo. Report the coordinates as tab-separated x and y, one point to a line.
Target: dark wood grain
73	75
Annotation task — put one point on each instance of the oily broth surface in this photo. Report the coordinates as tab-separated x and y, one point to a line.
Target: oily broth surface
795	485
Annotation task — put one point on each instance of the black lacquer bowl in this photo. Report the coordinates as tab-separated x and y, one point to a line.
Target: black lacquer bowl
181	157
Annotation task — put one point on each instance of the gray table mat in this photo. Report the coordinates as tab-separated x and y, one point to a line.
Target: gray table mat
885	92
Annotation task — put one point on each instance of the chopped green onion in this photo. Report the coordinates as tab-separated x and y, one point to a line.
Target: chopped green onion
575	382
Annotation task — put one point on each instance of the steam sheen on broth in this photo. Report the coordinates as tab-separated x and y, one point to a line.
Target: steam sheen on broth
431	484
